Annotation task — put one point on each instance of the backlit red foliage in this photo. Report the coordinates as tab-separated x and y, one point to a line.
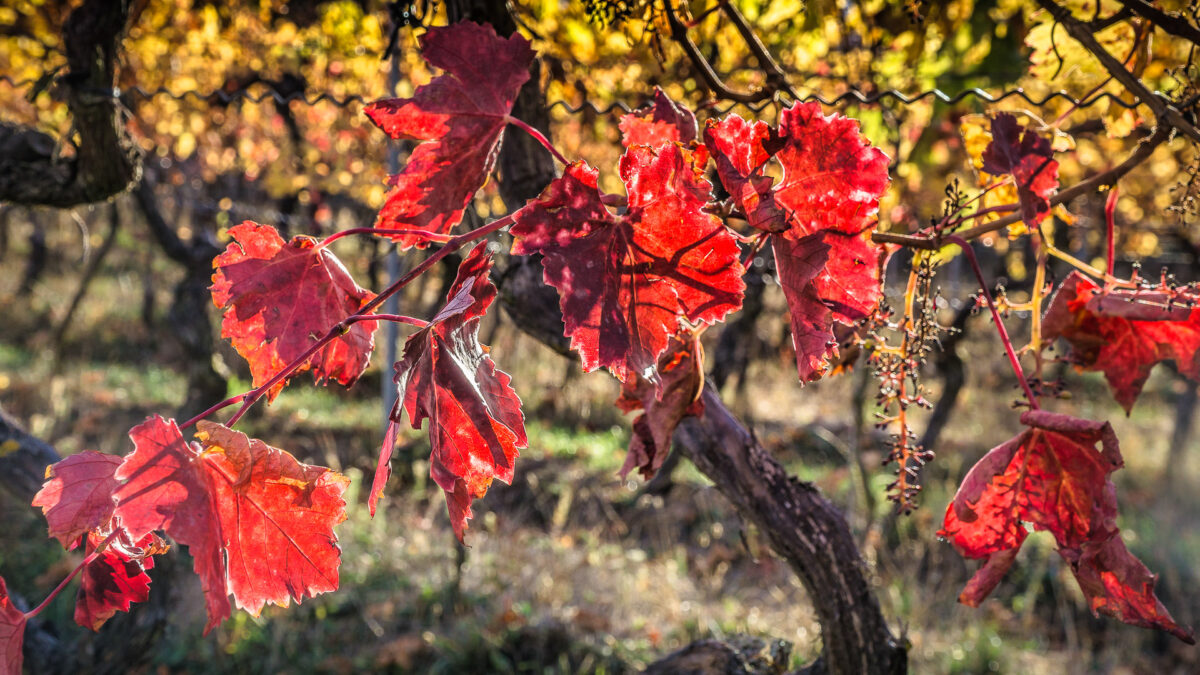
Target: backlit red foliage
459	117
77	496
258	523
663	121
475	421
281	297
1054	477
818	214
1123	333
626	281
1027	157
681	375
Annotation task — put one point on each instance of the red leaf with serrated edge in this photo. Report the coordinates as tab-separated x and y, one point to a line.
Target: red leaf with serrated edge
832	176
115	579
460	117
281	297
830	189
1123	333
826	277
798	263
625	282
663	121
258	523
447	377
1118	585
739	149
680	369
12	634
1029	159
78	495
1052	476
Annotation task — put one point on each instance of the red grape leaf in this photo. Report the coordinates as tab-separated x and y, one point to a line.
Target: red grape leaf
12	634
1123	333
830	189
826	277
459	118
281	297
1029	159
626	281
1118	585
115	579
446	375
798	263
258	523
680	369
740	152
78	495
832	176
849	282
663	121
1053	477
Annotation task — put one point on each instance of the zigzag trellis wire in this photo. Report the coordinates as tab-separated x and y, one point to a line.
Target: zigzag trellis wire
851	97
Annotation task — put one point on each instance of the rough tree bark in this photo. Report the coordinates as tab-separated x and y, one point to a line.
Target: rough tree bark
33	169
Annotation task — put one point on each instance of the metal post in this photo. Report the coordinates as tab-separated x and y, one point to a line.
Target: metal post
392	304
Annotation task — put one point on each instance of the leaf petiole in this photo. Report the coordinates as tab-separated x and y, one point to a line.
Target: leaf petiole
987	295
74	573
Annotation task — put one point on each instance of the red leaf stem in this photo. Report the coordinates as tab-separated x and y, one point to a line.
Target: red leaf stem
387	231
1008	346
539	137
75	572
1110	208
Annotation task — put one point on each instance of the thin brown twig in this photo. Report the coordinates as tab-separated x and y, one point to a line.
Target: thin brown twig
1143	151
1080	30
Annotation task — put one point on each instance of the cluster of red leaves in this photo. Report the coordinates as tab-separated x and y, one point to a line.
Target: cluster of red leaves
258	523
626	281
636	287
1124	333
446	376
459	117
281	297
818	214
1053	477
1027	157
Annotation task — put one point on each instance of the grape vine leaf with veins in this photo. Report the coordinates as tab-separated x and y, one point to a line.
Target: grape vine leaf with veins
258	523
626	281
1123	333
1053	476
78	502
680	370
78	495
1028	158
446	375
662	121
280	297
459	119
831	184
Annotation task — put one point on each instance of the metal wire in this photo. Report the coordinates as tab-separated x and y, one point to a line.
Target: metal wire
225	97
